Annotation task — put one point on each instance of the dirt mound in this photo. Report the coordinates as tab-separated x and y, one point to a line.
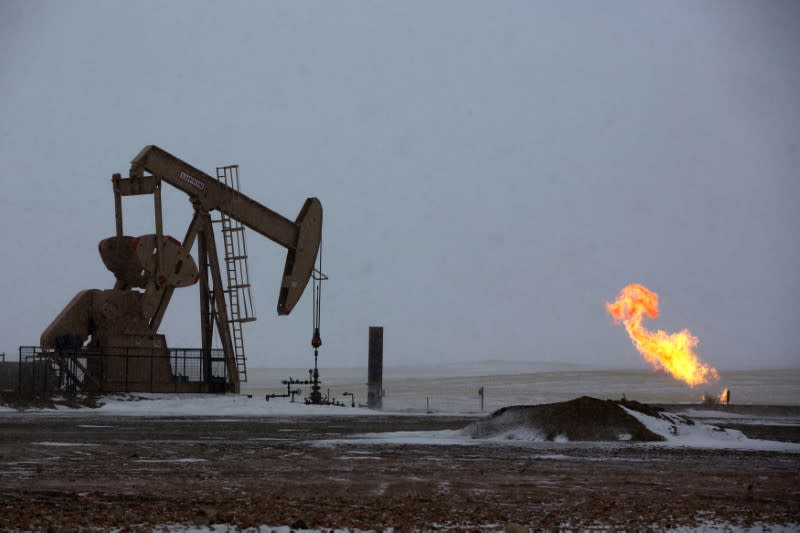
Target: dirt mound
581	419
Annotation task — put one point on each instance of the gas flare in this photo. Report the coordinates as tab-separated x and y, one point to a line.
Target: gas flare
671	352
725	396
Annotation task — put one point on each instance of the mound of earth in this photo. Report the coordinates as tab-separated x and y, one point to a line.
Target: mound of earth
581	419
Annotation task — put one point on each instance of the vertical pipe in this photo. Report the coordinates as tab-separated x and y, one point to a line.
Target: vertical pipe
117	203
375	369
206	320
159	234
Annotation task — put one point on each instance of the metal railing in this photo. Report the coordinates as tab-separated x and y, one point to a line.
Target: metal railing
136	369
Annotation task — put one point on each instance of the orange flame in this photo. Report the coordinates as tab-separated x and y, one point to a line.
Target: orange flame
673	353
725	396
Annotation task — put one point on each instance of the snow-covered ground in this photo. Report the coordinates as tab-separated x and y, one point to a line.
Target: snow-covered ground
676	430
721	417
672	427
454	387
150	404
222	408
697	436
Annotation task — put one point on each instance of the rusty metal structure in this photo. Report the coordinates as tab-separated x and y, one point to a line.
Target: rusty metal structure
126	318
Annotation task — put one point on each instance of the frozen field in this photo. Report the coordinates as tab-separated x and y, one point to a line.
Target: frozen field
220	462
370	471
454	388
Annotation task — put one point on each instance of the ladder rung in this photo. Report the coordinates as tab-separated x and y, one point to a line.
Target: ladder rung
238	228
243	319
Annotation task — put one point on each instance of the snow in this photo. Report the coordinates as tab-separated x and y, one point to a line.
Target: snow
706	413
711	417
417	438
213	405
216	405
230	407
521	433
679	433
520	436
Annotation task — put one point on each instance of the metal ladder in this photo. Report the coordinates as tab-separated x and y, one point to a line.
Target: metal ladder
238	295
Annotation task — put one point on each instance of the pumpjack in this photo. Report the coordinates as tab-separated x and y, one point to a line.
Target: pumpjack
108	340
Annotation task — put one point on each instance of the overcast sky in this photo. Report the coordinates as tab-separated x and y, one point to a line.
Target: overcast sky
491	172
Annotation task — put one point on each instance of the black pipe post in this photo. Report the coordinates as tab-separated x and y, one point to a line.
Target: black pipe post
375	369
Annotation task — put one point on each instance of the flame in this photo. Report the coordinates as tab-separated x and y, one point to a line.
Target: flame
673	353
725	396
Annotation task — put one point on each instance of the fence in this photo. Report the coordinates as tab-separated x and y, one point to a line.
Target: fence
137	369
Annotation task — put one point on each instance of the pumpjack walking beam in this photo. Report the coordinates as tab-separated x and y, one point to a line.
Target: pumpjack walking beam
301	238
